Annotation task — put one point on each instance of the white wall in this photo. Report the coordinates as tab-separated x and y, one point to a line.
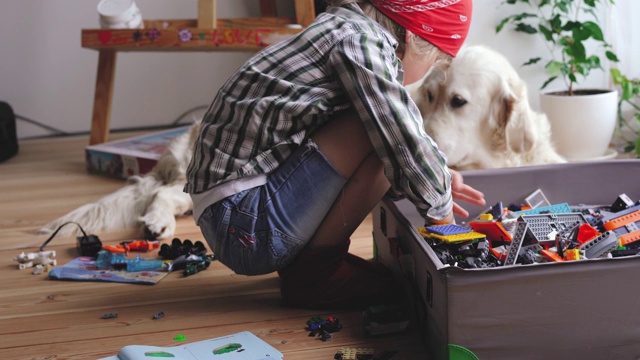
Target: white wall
45	74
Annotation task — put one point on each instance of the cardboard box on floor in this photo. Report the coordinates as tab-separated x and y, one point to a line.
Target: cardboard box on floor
588	309
128	157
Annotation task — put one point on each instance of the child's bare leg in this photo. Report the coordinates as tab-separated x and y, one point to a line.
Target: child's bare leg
324	274
346	145
361	193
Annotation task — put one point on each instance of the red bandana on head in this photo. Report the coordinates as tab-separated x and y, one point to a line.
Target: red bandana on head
444	23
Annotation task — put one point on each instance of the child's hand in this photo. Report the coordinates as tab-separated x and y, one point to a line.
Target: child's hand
463	192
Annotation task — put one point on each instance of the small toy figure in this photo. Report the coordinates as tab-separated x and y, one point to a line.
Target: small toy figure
158	315
354	354
136	245
27	260
107	260
323	327
178	248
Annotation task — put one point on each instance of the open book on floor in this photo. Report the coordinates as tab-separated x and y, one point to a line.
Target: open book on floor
243	345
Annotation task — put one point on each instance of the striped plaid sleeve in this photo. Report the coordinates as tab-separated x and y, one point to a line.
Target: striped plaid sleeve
365	64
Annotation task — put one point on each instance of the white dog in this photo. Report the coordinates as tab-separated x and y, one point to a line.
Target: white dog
152	200
479	115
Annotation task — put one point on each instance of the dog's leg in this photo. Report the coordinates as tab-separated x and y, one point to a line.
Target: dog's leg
117	210
169	201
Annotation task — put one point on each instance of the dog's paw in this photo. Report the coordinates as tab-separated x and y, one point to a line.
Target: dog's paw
159	224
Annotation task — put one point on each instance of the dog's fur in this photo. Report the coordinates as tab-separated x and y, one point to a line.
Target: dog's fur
479	115
151	201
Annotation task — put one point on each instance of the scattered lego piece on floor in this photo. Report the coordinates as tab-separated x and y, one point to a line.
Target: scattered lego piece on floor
323	328
158	315
28	260
109	316
354	354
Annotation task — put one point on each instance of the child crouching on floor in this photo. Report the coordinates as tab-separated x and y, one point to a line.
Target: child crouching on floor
307	137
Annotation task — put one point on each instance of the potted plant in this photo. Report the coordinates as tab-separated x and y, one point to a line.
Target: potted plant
582	120
628	130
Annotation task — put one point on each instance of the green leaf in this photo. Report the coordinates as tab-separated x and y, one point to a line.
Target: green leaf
594	62
563	6
532	61
554	68
594	30
628	148
637	147
556	24
502	24
616	76
549	80
627	90
525	28
611	56
572	78
523	16
548	34
578	52
571	26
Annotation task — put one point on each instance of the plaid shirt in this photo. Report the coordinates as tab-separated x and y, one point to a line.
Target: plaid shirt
342	63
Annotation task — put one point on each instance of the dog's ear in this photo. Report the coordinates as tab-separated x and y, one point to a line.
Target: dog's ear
512	114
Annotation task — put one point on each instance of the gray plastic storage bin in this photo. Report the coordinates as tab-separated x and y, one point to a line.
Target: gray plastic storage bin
588	309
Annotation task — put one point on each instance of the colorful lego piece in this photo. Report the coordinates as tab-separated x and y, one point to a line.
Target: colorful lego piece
537	199
354	353
549	209
447	229
586	233
27	260
454	235
600	246
493	230
107	260
572	254
551	256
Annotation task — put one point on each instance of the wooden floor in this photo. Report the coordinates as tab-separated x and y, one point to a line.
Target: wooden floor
52	319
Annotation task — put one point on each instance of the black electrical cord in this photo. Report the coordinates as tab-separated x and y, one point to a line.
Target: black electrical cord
47	127
58	132
58	229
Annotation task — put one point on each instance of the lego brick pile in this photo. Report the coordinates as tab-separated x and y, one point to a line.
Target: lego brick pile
539	233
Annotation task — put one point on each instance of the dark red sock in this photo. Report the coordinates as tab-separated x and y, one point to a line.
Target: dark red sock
368	265
332	278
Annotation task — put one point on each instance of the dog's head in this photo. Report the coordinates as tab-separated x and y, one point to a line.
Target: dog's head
477	110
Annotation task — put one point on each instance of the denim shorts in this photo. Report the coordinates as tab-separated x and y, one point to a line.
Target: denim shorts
261	230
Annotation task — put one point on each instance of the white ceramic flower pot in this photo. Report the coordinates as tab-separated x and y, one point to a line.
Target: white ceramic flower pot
582	126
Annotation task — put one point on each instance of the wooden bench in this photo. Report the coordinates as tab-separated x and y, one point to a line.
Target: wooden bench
207	33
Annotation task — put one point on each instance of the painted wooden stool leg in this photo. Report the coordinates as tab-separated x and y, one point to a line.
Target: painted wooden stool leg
268	8
102	97
305	12
207	14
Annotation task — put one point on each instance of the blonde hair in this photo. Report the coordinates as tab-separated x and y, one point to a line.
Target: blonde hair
419	45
